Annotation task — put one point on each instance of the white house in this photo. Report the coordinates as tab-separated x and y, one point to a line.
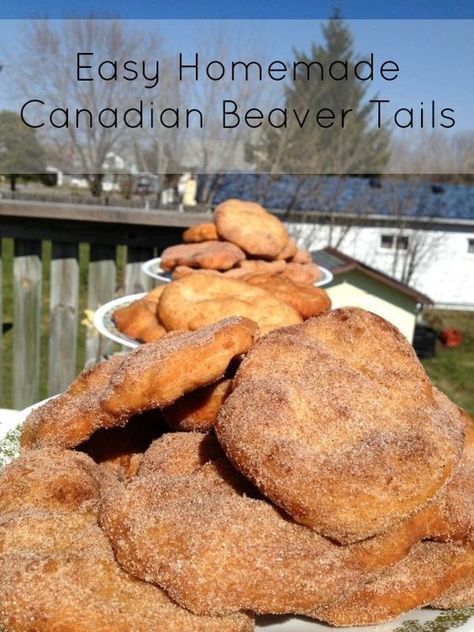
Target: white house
359	285
436	257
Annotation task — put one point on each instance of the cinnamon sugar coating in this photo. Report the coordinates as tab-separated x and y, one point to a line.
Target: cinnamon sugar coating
198	300
157	374
57	568
201	232
251	227
336	422
150	376
214	255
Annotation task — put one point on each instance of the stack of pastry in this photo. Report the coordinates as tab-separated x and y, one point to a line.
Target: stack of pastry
198	300
216	474
243	239
213	269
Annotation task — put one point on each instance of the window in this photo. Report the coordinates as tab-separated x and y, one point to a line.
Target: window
387	241
396	242
402	243
470	246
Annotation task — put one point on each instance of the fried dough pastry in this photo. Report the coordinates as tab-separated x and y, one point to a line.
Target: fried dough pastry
201	232
177	453
289	251
302	272
139	321
306	299
183	271
121	449
150	376
197	411
460	592
157	374
50	479
258	266
336	422
216	551
71	418
416	581
251	227
155	294
198	300
193	525
216	255
57	568
302	256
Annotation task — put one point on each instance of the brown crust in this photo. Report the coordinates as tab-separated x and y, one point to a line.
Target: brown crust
139	321
197	411
197	532
198	300
335	421
306	299
214	255
71	418
289	251
248	225
152	375
195	527
200	232
416	581
57	569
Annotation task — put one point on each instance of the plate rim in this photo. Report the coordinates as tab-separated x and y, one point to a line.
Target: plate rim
327	275
98	319
154	275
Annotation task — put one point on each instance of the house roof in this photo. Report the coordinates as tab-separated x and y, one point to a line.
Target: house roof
339	263
345	195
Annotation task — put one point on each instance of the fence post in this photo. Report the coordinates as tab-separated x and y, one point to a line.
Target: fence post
101	288
27	269
63	316
135	280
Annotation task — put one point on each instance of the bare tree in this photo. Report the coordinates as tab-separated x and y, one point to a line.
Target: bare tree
414	242
48	56
217	150
339	205
436	155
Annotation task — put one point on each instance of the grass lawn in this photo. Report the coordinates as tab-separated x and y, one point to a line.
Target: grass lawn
452	370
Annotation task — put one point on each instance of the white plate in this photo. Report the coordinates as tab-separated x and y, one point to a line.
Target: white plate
104	324
153	269
425	620
326	277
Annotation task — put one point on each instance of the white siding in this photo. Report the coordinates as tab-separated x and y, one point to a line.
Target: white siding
444	270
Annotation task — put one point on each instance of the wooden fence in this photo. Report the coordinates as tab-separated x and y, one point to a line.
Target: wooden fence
66	226
144	233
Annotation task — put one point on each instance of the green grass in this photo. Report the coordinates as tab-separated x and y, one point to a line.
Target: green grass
452	369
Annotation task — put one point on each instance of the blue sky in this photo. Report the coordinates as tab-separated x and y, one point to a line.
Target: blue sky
434	56
243	9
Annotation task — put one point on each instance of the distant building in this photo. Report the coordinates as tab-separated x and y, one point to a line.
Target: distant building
440	252
356	284
419	232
